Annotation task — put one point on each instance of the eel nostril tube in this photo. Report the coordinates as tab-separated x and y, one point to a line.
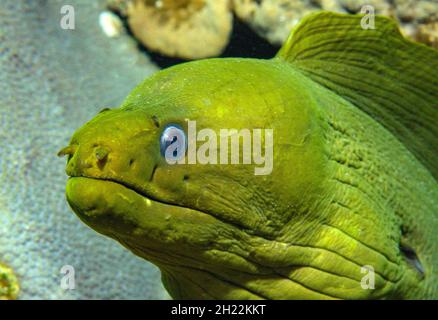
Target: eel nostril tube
70	150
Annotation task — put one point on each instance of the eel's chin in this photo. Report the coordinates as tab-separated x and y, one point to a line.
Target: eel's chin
106	206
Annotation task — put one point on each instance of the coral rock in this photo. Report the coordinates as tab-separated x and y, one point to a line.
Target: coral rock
189	29
428	34
274	19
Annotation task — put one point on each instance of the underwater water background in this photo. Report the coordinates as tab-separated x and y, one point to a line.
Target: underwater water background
53	81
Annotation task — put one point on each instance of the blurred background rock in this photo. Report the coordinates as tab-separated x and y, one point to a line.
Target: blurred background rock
194	29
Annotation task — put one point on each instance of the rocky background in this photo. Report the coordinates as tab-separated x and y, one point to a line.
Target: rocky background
192	29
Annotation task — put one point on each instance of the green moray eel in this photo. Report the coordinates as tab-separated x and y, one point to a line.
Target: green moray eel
353	191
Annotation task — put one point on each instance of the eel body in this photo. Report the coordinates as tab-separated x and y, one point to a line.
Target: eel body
353	187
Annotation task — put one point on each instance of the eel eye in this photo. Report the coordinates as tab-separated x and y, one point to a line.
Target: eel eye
173	143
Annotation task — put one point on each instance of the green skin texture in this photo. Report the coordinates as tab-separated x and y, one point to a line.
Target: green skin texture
335	201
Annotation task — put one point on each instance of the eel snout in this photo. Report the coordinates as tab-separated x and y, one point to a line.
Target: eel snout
98	156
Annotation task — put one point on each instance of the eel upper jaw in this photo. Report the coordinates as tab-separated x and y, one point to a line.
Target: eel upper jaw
126	185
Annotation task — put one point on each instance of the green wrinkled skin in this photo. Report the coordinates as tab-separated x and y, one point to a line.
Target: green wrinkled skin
344	192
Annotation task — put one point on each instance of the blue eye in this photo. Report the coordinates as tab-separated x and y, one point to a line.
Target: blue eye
173	143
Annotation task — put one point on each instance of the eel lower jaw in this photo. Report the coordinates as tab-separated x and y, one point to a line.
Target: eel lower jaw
104	205
118	211
97	199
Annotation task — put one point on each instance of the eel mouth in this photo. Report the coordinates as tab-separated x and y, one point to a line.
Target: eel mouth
97	201
121	211
95	195
148	198
152	201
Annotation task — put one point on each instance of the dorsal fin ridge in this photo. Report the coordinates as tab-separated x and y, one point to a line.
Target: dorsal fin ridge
392	79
